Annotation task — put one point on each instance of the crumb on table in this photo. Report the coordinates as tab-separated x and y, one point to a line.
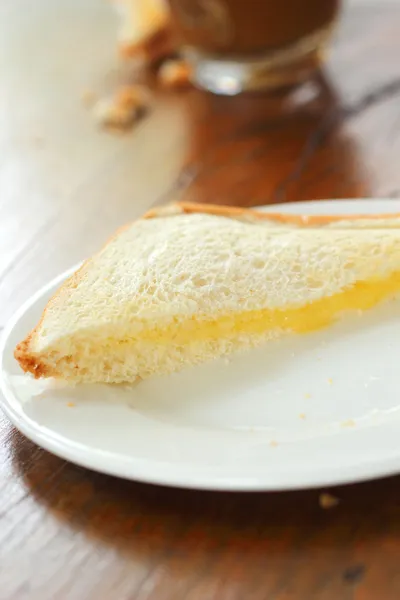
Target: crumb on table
302	416
157	40
327	501
174	74
71	404
123	109
273	443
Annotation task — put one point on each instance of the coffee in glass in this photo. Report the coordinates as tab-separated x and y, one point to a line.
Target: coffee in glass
238	45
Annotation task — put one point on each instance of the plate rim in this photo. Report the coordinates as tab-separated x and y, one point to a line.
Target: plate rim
131	469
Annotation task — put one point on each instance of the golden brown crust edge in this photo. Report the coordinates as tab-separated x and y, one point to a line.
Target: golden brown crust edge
252	214
27	360
34	364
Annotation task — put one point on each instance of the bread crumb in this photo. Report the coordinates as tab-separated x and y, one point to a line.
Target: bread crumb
273	443
348	423
71	404
132	96
146	31
109	114
330	381
302	416
129	386
89	98
174	74
122	110
327	501
307	396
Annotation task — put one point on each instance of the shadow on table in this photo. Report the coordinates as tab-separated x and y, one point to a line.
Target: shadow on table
190	530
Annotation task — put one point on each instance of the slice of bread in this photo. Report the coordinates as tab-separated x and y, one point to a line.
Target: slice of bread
190	283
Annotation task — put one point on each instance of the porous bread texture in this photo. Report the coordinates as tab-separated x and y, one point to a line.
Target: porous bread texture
119	317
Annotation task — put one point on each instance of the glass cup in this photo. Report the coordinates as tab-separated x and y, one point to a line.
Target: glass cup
243	45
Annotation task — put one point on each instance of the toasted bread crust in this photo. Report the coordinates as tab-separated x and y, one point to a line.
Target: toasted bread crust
28	362
254	215
36	365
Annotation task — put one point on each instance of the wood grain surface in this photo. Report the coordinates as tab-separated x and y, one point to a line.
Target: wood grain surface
64	186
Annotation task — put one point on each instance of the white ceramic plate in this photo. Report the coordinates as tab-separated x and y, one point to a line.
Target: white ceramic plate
305	411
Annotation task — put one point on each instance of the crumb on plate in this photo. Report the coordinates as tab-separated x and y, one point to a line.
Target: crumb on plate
71	404
273	443
348	423
302	416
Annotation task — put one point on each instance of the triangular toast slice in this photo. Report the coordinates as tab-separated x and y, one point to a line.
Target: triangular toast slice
190	283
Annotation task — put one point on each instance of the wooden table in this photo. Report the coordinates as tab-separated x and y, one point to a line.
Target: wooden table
66	533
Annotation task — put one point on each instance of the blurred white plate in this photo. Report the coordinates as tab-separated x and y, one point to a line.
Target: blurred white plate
310	410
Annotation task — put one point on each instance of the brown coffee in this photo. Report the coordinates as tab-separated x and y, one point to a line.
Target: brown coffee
248	27
241	45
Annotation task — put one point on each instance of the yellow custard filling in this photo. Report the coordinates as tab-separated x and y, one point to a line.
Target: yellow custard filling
316	315
149	348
